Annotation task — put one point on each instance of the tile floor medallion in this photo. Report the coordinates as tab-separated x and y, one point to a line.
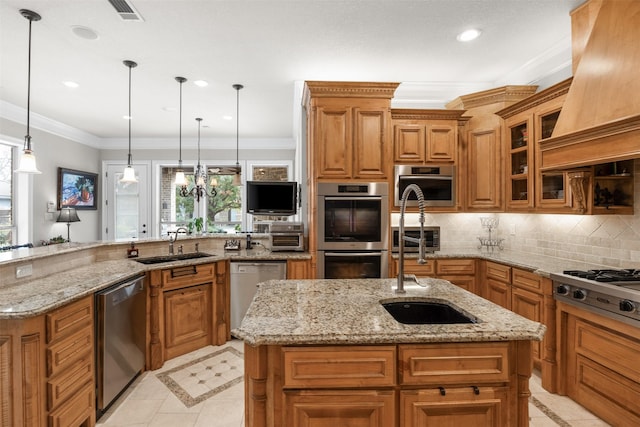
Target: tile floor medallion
204	377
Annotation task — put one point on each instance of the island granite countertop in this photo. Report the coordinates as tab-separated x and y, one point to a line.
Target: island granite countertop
331	311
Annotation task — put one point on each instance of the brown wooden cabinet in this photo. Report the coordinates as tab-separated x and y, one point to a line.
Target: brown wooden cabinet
425	136
496	284
189	308
481	150
348	132
459	271
298	269
599	364
525	124
432	384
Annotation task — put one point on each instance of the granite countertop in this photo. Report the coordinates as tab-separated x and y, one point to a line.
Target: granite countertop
349	312
37	296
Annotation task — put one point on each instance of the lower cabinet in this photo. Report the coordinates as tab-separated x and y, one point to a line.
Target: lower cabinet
600	364
189	308
459	271
403	385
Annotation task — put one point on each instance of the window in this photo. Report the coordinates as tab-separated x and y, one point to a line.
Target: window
221	214
7	227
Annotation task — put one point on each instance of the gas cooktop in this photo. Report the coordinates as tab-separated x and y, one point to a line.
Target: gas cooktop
626	276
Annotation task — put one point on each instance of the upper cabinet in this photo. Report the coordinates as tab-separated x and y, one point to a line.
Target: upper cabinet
348	130
525	124
425	136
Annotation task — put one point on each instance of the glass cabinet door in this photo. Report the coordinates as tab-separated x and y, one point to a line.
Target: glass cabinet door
519	193
552	187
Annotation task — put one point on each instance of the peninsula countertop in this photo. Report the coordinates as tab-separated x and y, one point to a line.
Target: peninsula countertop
330	311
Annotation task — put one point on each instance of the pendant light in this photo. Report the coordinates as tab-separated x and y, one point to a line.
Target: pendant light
129	174
199	190
237	178
27	162
181	180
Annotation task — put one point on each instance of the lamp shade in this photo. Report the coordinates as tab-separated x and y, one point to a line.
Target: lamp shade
129	175
181	179
27	163
68	215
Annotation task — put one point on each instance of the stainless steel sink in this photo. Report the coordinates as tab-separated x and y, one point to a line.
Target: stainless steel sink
170	258
425	313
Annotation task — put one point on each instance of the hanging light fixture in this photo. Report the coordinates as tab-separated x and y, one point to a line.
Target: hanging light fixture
129	174
181	180
237	178
199	190
27	162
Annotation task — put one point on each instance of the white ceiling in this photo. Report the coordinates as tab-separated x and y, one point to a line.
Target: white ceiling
269	46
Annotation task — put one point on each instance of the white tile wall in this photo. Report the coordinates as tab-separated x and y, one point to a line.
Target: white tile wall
601	240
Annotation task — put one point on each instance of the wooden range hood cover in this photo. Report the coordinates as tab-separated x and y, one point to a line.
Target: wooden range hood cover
600	118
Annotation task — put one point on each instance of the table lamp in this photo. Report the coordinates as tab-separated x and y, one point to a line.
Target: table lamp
68	215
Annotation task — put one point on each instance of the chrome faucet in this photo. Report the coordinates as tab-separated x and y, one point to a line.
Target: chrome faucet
173	236
402	238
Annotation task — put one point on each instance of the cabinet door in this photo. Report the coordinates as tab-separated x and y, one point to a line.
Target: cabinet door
409	143
457	407
187	318
442	141
365	408
370	144
484	170
498	293
333	142
298	269
529	305
465	282
520	163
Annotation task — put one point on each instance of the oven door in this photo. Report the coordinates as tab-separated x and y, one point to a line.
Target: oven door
439	189
431	237
352	265
353	223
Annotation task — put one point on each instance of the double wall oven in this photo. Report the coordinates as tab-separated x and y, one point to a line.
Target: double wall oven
353	224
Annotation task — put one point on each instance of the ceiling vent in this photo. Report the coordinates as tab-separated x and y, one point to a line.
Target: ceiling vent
126	10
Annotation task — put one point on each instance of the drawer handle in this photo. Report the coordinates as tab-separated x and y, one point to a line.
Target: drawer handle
183	271
476	390
443	392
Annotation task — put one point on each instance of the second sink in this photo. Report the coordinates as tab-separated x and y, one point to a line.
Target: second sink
425	313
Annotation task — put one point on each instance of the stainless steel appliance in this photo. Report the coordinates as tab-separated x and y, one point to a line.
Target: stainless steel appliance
352	222
438	184
286	236
609	292
431	238
244	279
120	339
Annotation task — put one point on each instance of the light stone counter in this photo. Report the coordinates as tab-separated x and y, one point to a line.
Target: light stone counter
349	312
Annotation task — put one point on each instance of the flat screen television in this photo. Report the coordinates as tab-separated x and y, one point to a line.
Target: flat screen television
272	197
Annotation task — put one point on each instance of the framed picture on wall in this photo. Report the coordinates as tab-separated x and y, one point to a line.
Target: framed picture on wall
77	189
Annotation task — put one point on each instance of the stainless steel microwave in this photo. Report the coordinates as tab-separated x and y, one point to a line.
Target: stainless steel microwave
438	184
431	237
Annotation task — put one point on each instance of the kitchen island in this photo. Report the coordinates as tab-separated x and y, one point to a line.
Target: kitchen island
326	353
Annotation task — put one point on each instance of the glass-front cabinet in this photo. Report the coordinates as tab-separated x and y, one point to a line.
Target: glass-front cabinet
526	123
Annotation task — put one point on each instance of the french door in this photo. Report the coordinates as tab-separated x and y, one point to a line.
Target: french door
126	205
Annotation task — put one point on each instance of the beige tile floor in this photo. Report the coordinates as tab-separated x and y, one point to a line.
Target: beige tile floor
150	403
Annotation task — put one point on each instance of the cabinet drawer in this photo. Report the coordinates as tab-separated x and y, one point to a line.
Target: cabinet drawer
71	380
75	411
188	275
64	321
411	266
468	364
455	266
498	272
335	367
67	351
527	280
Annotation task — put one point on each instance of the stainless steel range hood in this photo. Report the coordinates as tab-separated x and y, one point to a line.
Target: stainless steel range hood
600	119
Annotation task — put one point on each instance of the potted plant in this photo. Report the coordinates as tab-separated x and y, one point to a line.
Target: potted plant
199	224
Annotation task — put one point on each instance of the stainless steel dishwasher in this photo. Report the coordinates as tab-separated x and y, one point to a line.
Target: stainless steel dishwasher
120	339
244	278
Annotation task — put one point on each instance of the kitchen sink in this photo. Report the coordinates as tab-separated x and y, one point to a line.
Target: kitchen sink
170	258
425	313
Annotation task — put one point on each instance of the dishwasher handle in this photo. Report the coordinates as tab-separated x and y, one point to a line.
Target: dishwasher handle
125	291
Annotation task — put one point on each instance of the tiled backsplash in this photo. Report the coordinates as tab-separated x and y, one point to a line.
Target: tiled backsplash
601	240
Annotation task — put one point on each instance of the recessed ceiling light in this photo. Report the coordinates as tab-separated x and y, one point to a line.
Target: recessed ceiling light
71	84
84	32
126	117
200	83
170	109
468	35
227	117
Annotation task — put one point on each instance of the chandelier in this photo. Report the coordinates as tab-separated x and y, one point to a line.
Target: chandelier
199	190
